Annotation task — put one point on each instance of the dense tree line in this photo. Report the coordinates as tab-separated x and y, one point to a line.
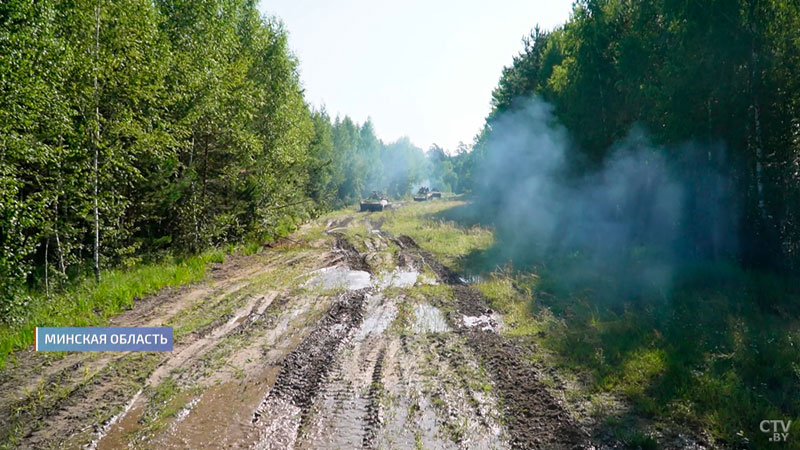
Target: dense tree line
360	163
130	129
720	74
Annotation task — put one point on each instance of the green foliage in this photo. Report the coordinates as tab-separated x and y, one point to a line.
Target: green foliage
348	162
706	72
196	113
202	135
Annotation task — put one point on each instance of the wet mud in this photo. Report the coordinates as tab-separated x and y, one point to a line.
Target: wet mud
303	371
534	418
306	346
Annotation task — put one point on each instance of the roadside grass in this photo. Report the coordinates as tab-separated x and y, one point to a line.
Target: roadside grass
446	239
512	297
719	353
312	233
87	303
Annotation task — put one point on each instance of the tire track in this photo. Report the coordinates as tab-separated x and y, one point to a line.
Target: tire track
372	418
286	408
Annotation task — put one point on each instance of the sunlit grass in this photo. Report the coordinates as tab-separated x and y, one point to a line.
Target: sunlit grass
519	316
707	357
445	239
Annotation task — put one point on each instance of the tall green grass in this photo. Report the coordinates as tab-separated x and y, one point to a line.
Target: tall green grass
450	242
87	303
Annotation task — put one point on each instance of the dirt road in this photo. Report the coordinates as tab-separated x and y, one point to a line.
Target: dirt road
343	336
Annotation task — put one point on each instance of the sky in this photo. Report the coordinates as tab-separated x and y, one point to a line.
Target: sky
422	69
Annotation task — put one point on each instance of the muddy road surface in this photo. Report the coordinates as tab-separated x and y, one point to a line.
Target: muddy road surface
342	336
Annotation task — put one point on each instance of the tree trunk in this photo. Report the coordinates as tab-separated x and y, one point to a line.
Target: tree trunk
46	267
96	139
756	139
196	241
58	246
759	158
205	168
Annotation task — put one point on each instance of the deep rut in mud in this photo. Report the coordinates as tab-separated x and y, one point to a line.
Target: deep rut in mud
372	418
303	371
534	418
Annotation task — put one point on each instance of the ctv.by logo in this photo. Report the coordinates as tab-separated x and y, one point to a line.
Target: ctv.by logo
778	428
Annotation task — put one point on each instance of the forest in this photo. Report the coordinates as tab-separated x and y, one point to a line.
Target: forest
133	130
711	87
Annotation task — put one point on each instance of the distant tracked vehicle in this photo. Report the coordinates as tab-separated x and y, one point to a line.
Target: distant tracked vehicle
423	194
436	193
375	202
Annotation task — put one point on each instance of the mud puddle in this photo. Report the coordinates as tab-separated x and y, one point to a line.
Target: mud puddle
120	417
488	321
339	277
379	316
429	319
397	278
220	418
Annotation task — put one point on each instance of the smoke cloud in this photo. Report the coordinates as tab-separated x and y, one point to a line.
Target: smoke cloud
634	218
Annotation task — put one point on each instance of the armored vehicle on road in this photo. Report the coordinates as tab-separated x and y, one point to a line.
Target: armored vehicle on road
375	202
423	194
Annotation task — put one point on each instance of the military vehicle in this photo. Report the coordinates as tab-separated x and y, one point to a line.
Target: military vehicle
436	193
423	194
375	202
